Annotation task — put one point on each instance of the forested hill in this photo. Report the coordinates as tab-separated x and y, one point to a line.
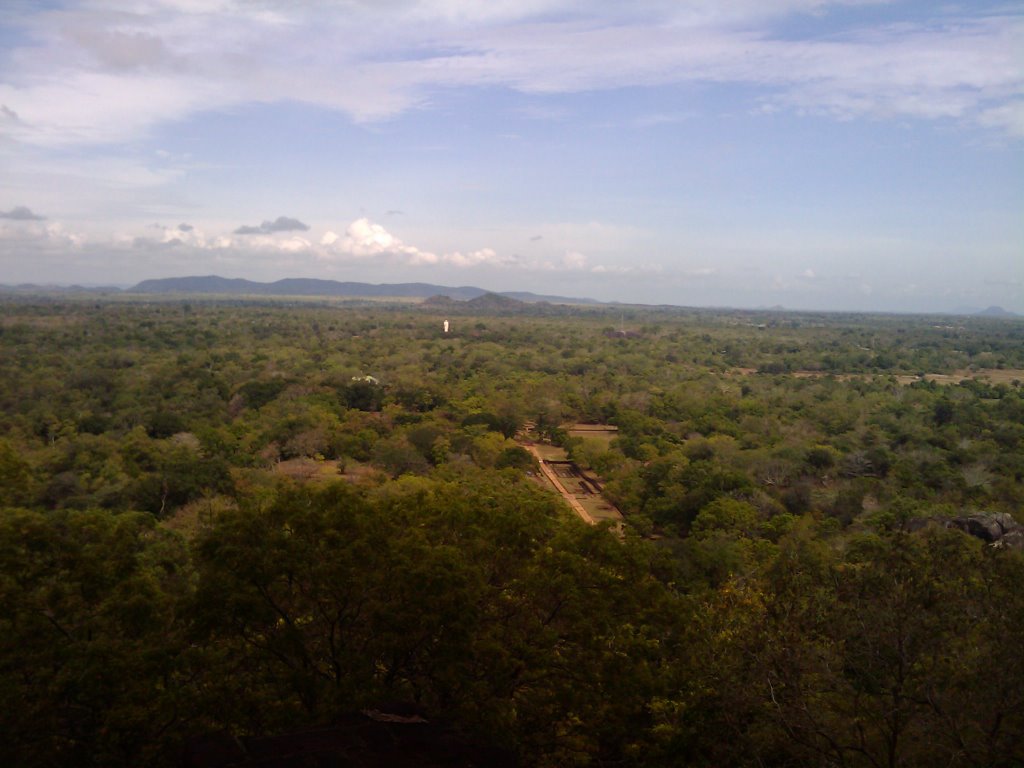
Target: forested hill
316	287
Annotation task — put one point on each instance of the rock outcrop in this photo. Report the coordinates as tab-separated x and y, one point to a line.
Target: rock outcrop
997	529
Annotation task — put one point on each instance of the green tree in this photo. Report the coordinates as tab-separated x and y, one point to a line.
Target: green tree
92	651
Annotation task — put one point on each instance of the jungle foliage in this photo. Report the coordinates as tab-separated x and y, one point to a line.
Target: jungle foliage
257	516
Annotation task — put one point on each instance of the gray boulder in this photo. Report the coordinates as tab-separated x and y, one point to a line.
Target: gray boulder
984	526
996	528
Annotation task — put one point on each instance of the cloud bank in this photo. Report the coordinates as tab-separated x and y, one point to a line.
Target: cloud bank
363	239
44	251
363	243
90	73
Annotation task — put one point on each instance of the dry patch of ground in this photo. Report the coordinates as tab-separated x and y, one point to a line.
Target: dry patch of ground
991	375
602	433
547	452
308	469
325	470
189	519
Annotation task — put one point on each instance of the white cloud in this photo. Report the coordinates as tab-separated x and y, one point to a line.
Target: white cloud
25	244
363	242
105	73
83	107
364	239
294	244
574	260
193	237
474	258
1008	117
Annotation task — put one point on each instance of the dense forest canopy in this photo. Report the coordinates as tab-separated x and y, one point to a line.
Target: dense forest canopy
257	516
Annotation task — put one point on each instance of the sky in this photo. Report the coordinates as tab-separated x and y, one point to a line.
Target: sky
811	154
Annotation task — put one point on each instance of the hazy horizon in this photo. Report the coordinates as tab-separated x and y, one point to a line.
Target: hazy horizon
963	310
852	155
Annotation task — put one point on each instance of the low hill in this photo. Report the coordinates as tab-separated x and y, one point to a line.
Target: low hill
492	301
300	286
438	300
314	287
996	312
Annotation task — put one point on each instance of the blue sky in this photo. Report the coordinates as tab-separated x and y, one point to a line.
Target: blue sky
804	153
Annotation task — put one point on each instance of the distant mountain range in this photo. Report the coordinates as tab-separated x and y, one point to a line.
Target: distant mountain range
36	288
431	293
313	287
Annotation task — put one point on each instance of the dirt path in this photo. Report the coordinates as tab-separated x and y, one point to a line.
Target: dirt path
553	479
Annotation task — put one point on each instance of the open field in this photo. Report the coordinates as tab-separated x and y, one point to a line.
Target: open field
602	433
991	375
